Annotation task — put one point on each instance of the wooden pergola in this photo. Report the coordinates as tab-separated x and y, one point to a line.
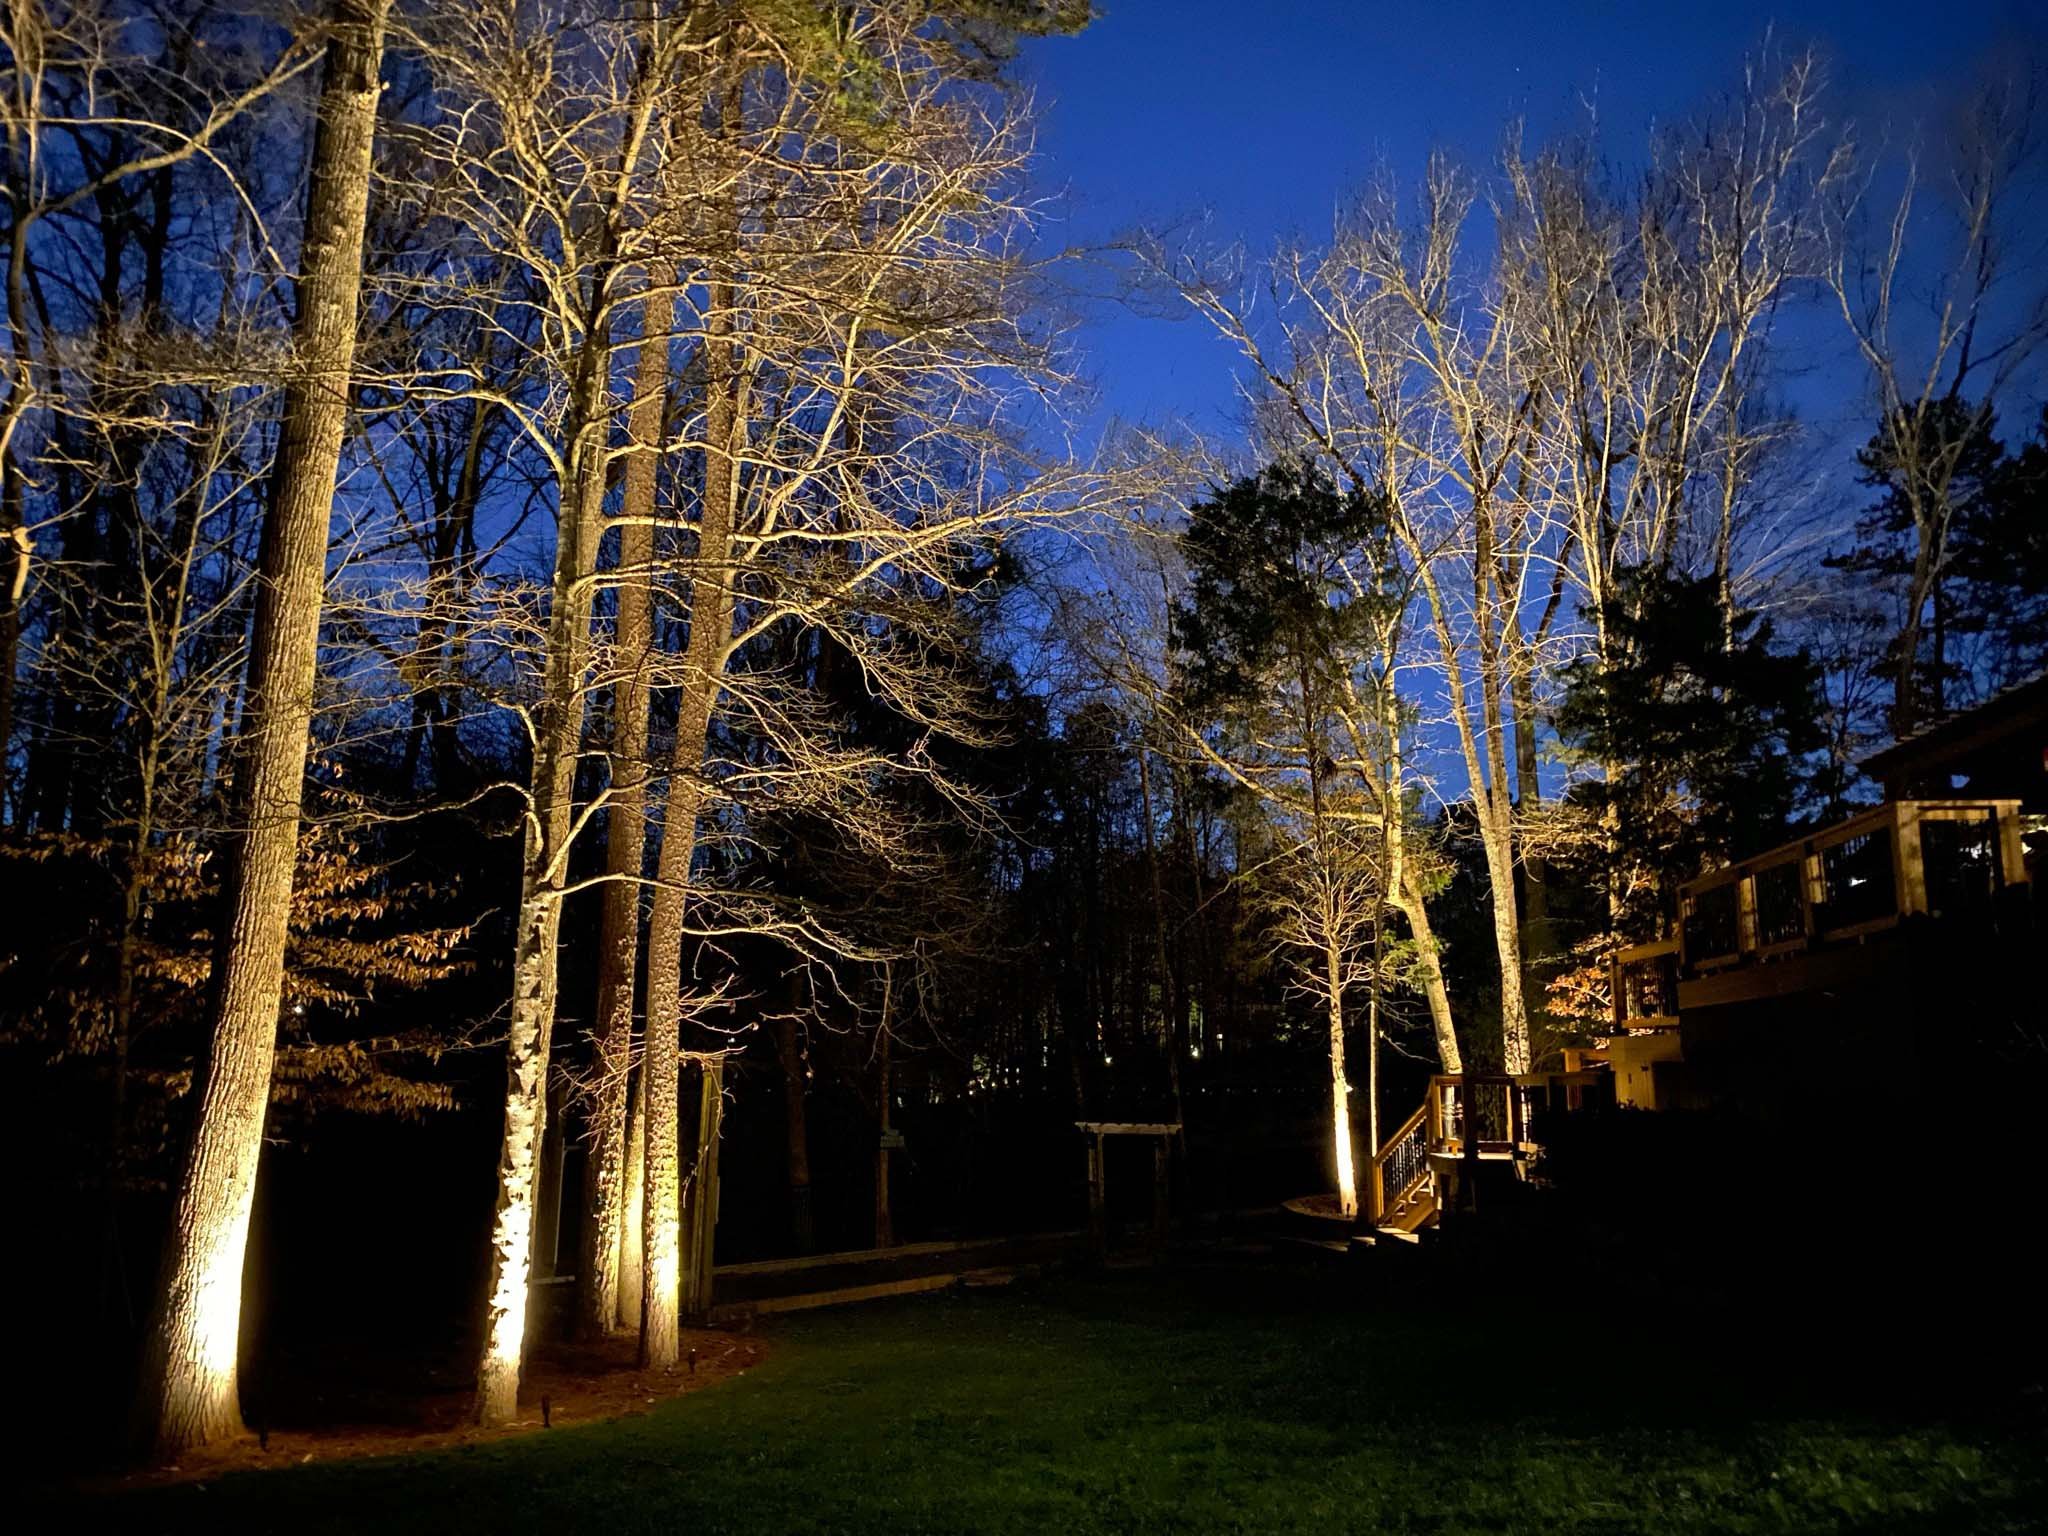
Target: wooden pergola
1098	1132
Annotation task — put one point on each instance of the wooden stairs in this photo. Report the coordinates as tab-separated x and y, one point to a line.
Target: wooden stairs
1482	1115
1400	1183
1465	1118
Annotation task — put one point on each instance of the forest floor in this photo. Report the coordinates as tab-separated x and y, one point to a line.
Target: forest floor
1217	1398
347	1404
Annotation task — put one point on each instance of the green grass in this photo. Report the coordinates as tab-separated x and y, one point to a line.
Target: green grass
1210	1400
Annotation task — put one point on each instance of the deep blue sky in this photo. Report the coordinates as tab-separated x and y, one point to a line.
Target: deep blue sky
1261	113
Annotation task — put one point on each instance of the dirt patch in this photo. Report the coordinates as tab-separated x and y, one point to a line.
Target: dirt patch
316	1419
1319	1207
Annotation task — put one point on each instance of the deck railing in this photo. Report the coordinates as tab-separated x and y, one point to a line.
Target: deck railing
1644	986
1904	858
1490	1107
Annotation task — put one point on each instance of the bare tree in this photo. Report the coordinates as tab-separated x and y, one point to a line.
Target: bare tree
1938	375
550	134
608	1214
1381	364
188	1389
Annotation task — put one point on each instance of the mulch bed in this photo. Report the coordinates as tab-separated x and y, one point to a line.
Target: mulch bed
325	1413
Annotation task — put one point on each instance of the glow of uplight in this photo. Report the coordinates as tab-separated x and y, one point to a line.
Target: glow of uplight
217	1301
1347	1174
508	1300
667	1271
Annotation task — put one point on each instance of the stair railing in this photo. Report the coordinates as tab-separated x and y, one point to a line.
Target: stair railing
1400	1167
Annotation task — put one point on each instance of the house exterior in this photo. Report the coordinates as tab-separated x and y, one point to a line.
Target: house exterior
1814	970
1852	991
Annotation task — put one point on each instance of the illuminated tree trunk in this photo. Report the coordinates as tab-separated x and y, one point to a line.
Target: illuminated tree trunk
704	660
609	1264
1340	1085
188	1391
658	1257
1405	892
633	1191
1431	972
1537	942
710	616
1493	794
543	876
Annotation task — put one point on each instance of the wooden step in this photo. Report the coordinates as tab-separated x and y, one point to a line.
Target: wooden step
1412	1218
1396	1237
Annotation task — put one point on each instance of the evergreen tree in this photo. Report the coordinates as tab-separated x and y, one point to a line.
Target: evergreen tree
1936	470
2001	566
1710	731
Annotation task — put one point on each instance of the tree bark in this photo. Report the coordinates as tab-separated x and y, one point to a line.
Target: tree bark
1169	989
608	1211
628	1255
1408	900
1494	793
1340	1087
188	1384
704	659
543	877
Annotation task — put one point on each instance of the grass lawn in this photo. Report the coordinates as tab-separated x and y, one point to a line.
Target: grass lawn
1229	1399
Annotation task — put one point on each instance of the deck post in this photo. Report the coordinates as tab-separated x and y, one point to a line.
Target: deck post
2012	851
1098	1215
1162	1203
1909	888
700	1211
885	1226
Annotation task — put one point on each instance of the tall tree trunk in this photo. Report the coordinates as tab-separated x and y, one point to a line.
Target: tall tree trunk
1404	890
1340	1085
629	1256
885	1224
1408	900
704	659
1494	793
1908	704
1537	942
1529	797
543	878
1333	965
188	1385
608	1213
1168	989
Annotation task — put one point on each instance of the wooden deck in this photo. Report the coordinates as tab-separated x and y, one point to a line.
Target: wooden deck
1791	919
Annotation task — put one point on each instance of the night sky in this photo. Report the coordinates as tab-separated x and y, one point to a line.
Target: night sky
1260	116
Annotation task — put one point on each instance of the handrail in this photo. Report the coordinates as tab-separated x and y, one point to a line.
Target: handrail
1377	1199
1407	1128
